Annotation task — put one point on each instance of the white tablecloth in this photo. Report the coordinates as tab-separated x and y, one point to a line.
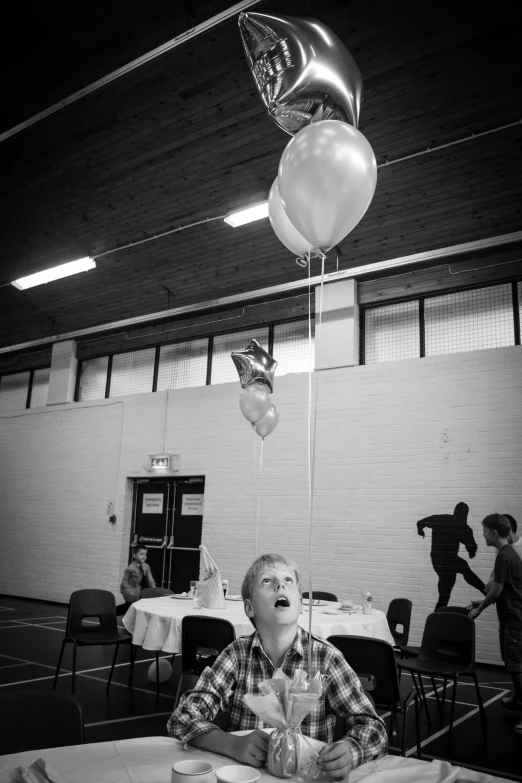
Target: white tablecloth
155	623
150	760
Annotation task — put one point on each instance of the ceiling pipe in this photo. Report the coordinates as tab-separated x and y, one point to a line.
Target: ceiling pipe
168	46
274	291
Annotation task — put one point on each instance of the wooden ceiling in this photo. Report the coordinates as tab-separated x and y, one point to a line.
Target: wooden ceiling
185	138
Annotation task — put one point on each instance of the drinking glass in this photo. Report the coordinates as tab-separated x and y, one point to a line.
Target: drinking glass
193	586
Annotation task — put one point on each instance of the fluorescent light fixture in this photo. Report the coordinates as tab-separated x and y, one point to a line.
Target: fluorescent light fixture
248	215
64	270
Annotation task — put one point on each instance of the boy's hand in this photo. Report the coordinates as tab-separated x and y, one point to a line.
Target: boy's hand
336	760
251	749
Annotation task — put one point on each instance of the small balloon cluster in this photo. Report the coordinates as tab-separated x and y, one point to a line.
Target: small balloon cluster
312	89
256	370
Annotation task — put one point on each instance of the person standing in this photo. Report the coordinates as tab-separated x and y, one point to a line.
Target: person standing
136	576
449	531
506	592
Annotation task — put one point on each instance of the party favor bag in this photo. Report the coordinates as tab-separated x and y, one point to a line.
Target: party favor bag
284	704
210	590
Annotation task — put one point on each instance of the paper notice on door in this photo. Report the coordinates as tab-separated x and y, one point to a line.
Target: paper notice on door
192	505
152	504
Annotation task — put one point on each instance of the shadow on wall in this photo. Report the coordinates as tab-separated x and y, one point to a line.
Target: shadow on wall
449	531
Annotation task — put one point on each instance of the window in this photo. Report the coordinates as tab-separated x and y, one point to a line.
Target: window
291	348
93	379
183	364
132	372
13	391
391	332
40	387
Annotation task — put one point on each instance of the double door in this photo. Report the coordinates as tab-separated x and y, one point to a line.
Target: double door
168	518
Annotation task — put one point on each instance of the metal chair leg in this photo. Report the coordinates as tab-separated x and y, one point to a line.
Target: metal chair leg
424	699
157	674
59	664
133	651
74	668
452	713
481	705
417	727
112	667
435	690
404	727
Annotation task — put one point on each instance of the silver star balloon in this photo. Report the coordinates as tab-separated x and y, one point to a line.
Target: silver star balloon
254	365
302	70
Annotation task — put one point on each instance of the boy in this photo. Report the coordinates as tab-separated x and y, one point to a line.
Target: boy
506	591
271	594
136	576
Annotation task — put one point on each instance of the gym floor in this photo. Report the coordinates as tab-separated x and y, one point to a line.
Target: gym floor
30	640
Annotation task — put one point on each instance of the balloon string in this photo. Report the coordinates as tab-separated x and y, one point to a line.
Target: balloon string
254	460
311	449
259	498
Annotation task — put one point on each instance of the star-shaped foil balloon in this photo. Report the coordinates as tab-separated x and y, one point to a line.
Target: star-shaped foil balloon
254	365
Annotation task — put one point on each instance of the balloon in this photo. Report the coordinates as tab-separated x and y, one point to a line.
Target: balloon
283	228
165	671
303	72
254	365
268	423
254	402
327	178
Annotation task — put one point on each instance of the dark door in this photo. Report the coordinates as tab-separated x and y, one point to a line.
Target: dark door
152	514
186	535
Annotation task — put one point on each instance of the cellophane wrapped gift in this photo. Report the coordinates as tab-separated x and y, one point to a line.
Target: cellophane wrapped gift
284	703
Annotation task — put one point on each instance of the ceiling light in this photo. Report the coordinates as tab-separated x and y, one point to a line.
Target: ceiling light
248	215
64	270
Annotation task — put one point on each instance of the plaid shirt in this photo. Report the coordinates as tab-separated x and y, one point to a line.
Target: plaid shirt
244	664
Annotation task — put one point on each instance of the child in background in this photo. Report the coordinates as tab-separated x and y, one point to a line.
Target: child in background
136	576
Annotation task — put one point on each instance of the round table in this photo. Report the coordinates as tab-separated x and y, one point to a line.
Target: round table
155	623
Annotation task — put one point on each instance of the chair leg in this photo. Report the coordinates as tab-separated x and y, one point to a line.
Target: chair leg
74	668
157	674
59	664
452	713
404	727
435	690
444	693
424	699
133	651
417	727
481	705
112	667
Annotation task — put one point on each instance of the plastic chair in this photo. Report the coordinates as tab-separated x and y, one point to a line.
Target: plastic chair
39	719
375	660
399	613
202	640
455	609
100	604
320	595
156	592
447	650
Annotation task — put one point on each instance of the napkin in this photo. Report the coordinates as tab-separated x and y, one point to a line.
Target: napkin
38	772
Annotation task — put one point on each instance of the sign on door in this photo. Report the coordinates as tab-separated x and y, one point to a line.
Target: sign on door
152	504
192	505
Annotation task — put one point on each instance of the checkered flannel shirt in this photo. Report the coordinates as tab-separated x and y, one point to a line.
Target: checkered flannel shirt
244	664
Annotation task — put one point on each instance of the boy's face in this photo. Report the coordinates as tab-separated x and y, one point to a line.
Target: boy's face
275	597
489	535
140	556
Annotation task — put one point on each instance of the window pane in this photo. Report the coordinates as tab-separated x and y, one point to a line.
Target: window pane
132	372
13	391
391	332
291	347
469	320
40	387
223	368
183	364
93	379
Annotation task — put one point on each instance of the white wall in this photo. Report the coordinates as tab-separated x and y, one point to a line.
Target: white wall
381	464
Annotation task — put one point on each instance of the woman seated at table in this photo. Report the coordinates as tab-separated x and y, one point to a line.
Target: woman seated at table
271	593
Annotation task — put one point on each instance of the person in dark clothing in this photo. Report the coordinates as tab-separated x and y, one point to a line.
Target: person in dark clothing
449	531
136	576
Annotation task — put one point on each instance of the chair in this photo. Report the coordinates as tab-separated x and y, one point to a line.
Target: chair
320	595
374	659
39	719
156	592
202	640
447	650
455	609
399	613
100	604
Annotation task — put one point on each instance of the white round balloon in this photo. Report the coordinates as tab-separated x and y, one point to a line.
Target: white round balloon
165	671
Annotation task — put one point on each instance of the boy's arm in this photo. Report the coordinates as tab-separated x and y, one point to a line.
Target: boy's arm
501	574
126	590
366	732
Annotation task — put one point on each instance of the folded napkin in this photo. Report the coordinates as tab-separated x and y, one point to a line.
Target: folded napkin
38	772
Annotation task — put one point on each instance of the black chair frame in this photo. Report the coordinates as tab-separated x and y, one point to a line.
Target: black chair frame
320	595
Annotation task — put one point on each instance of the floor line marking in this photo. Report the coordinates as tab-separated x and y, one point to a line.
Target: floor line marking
122	720
11	665
448	701
439	733
30	619
7	608
469	765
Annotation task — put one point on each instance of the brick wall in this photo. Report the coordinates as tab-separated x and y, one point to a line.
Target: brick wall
395	442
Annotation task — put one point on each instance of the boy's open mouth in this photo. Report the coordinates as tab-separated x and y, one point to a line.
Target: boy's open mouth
282	601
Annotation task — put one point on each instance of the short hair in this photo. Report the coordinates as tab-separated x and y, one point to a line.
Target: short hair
499	523
512	521
266	561
138	547
461	510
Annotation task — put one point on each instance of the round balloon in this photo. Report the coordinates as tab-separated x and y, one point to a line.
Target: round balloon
254	402
165	671
283	228
327	178
303	72
268	423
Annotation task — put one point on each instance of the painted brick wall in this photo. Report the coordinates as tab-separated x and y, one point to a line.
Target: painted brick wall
382	463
